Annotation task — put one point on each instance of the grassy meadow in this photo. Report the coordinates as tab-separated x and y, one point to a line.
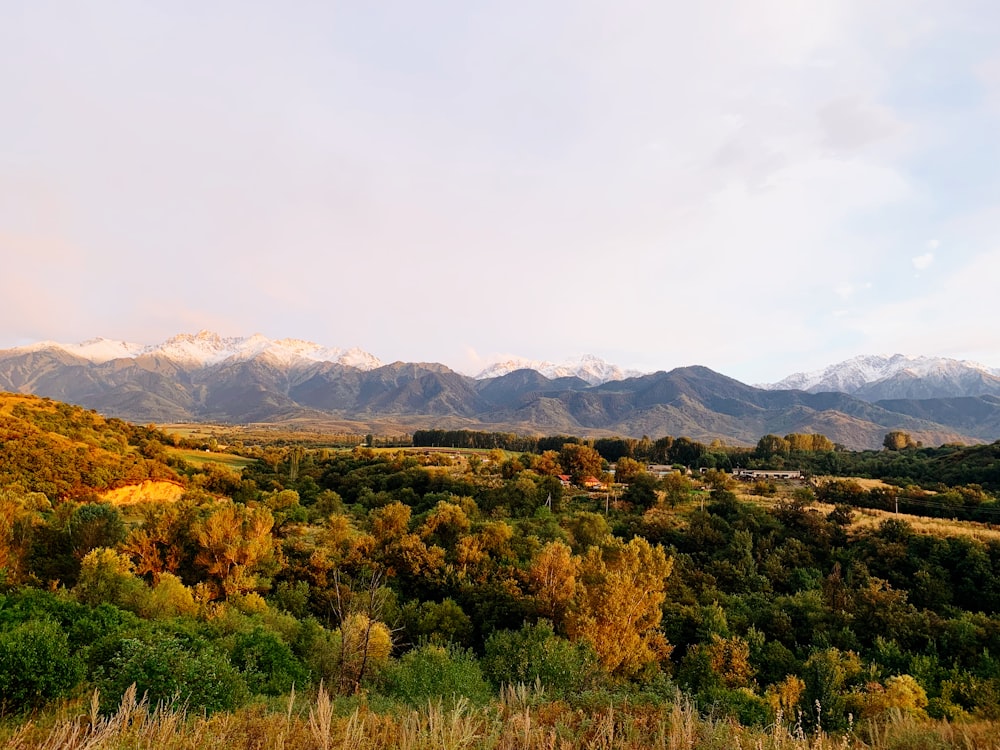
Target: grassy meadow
520	719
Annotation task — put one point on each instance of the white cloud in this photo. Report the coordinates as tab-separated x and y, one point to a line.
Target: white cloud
951	317
851	123
844	290
483	172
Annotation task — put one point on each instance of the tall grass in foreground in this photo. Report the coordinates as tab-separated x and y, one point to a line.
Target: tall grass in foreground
520	720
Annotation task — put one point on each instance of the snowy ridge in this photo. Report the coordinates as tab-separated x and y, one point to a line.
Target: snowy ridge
205	348
853	374
96	350
588	367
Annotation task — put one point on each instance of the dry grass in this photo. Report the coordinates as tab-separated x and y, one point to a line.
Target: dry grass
521	720
202	458
9	400
149	491
868	518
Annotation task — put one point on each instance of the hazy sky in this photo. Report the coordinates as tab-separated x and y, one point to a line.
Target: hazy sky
758	186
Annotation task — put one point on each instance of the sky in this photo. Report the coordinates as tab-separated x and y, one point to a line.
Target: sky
758	186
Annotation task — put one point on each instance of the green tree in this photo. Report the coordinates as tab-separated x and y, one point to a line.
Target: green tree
535	652
676	488
685	451
587	529
95	525
770	446
642	492
828	675
36	665
436	622
108	576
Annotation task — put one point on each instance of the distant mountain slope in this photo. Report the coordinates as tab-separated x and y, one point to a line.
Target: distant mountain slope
508	388
704	405
875	377
977	416
589	368
207	378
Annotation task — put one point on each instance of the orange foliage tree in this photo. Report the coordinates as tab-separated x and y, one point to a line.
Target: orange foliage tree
617	604
234	542
552	580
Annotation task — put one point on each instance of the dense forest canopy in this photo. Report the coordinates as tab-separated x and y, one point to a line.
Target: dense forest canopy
428	572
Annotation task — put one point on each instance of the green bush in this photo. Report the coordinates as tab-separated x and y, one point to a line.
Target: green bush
741	704
83	624
433	671
267	663
535	652
164	671
36	665
439	622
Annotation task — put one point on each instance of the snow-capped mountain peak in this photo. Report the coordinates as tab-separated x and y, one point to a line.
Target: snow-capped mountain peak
206	348
587	367
203	348
856	373
96	350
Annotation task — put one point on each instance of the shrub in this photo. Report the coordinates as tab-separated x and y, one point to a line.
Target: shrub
267	663
535	652
742	704
434	671
36	665
440	622
165	671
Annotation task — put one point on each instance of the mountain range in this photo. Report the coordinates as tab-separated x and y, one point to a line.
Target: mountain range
874	377
205	377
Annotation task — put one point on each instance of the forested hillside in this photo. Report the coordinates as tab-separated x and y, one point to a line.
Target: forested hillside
399	577
65	451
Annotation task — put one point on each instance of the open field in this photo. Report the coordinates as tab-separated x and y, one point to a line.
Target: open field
870	518
319	433
867	518
202	458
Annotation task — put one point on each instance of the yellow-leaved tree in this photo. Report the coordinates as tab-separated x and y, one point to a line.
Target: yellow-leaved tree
234	543
617	604
552	580
18	520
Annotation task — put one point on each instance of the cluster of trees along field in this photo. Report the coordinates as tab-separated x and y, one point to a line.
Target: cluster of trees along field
410	575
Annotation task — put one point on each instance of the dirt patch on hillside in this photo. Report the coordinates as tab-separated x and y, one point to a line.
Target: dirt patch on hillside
150	491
